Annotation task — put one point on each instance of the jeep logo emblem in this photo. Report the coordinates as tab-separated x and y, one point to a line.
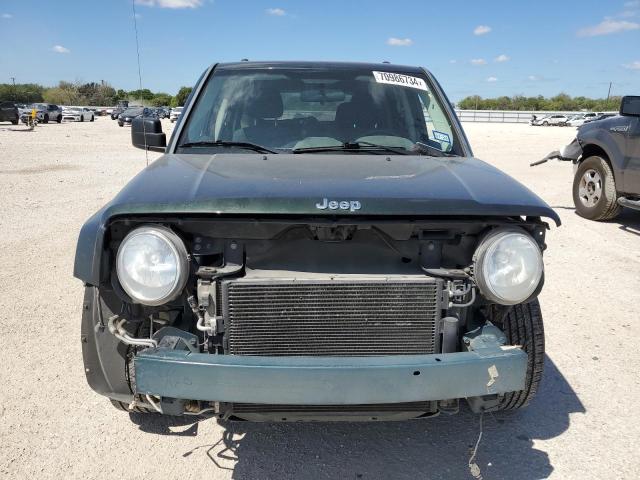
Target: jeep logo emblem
351	205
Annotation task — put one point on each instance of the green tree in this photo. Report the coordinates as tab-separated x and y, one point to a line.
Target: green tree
21	92
560	102
143	94
161	99
182	95
61	96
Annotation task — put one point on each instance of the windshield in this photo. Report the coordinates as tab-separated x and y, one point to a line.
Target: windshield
287	109
132	112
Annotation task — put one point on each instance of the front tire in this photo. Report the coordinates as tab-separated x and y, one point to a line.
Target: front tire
59	119
523	326
92	118
46	119
545	124
594	190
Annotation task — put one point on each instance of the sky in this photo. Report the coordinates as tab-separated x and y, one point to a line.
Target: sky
484	47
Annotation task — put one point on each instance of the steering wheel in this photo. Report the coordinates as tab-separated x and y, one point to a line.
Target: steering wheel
306	121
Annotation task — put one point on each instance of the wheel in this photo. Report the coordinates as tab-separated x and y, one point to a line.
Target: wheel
46	119
545	124
59	119
523	326
594	190
15	121
92	118
82	118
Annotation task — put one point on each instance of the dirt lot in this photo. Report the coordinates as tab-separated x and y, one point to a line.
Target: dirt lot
583	424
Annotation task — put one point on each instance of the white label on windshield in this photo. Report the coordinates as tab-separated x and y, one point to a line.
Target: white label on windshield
399	79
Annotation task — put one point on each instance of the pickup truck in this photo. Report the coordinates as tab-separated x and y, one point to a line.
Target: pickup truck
606	159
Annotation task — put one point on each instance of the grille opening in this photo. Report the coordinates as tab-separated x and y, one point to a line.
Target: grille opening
240	408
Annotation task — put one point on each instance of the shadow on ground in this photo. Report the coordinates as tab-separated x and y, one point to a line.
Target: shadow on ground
436	448
629	219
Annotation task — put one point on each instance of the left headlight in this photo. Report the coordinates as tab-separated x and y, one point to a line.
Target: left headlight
508	266
152	265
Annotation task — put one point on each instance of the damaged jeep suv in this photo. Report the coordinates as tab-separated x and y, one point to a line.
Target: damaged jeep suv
317	243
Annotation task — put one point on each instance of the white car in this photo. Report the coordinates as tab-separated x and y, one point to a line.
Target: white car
578	120
78	114
551	120
175	114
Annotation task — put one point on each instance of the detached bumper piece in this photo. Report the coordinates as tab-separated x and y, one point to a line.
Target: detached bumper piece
488	368
626	202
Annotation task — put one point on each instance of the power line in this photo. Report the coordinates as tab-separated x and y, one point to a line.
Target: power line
144	127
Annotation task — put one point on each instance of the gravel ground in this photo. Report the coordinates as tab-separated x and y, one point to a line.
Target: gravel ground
584	423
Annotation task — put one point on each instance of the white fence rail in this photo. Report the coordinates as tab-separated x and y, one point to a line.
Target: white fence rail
505	116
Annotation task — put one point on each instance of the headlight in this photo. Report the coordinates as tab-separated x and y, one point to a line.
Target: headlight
508	266
152	265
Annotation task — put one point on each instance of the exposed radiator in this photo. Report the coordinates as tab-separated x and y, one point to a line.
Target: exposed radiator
331	317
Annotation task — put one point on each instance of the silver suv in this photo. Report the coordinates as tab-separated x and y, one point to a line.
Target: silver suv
45	112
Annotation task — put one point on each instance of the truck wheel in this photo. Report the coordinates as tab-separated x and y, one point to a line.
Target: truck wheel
594	190
523	326
46	119
59	119
125	408
91	118
15	121
545	124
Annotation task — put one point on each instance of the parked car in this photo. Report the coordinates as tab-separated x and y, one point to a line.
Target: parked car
9	112
600	116
129	114
45	112
551	120
160	112
78	114
606	159
175	114
115	113
317	243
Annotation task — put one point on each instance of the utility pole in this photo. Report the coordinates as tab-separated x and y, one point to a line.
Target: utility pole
609	94
13	80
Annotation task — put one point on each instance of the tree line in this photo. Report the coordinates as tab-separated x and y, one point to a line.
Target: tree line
98	94
561	102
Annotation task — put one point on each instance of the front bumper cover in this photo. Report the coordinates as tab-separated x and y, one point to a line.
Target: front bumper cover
488	369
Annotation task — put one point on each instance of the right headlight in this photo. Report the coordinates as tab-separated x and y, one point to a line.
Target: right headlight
508	266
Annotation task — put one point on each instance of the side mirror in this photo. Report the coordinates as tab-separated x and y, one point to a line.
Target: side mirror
630	106
146	133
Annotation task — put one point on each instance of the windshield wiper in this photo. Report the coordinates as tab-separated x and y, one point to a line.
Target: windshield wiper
427	149
351	147
224	143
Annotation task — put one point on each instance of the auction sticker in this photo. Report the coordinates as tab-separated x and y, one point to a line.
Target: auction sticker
399	79
441	136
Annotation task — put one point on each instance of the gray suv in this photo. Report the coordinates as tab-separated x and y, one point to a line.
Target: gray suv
46	112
